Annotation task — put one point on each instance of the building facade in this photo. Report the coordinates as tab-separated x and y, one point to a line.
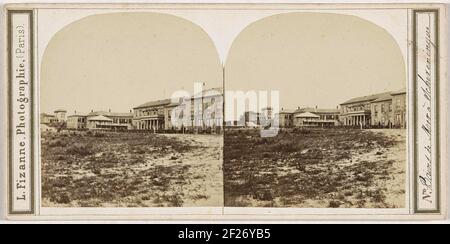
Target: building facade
119	121
286	118
306	119
386	110
381	111
327	116
100	120
77	122
399	109
152	115
205	113
309	117
48	119
60	115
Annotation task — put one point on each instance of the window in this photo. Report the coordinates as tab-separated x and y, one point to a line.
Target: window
382	108
390	107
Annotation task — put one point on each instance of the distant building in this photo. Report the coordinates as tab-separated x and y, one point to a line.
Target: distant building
205	113
119	121
99	122
77	121
381	111
309	117
286	118
386	109
306	119
60	115
399	108
327	116
48	119
209	111
152	115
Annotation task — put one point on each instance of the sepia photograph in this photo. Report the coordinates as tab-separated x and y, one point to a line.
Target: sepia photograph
123	119
224	112
340	121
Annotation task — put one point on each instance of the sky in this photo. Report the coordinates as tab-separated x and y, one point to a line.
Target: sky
119	61
315	59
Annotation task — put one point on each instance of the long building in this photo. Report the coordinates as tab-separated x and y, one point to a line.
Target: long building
154	115
322	117
100	120
48	119
286	118
301	117
386	109
205	113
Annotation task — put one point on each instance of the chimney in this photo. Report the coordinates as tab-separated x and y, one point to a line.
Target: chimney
109	110
75	112
92	110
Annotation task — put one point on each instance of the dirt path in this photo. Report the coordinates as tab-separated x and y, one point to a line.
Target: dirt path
205	171
395	183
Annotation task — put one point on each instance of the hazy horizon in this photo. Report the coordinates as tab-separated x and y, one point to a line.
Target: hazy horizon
122	60
315	59
119	61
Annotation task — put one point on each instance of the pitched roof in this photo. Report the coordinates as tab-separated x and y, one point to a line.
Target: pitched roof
318	110
307	115
382	98
47	115
155	103
287	111
60	110
168	102
99	118
398	92
366	98
77	115
104	113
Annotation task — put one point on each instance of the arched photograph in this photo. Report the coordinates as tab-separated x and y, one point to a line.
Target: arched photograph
339	113
131	114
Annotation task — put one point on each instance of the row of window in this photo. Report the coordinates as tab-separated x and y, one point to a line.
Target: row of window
359	107
149	112
383	108
121	121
